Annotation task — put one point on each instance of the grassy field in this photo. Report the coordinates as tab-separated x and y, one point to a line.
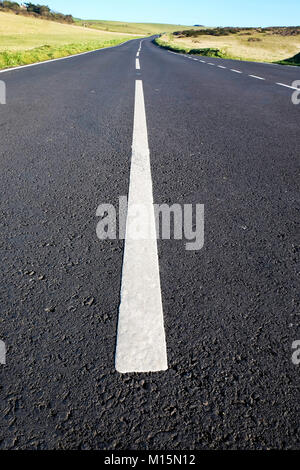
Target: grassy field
25	40
246	45
145	29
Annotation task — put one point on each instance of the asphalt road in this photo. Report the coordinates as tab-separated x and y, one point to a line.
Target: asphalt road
231	310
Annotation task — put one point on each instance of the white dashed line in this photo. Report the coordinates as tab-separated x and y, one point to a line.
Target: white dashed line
137	64
240	72
141	342
288	86
138	54
255	76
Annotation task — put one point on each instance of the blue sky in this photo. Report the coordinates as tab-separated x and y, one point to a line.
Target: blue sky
189	12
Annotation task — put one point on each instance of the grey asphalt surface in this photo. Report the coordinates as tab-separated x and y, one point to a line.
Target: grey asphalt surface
231	310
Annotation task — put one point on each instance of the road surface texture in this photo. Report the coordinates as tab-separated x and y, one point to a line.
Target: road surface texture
231	311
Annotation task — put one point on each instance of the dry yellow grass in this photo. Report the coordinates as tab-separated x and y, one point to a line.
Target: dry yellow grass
270	48
26	40
19	33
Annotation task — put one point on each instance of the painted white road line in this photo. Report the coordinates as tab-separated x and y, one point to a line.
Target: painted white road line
138	54
236	71
63	58
137	64
141	342
222	67
287	86
203	61
258	78
209	63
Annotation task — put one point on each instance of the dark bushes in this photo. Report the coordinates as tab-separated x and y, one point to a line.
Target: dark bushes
282	31
207	32
38	11
207	52
295	60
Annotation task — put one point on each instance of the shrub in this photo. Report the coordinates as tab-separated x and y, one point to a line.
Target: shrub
10	5
38	11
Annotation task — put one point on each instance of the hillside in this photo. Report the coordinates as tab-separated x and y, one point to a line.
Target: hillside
146	29
24	40
261	45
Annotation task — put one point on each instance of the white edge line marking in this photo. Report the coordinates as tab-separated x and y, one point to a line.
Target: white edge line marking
63	58
137	64
238	71
287	86
141	342
258	78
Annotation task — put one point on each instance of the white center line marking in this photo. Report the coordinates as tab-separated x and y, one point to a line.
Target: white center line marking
137	64
209	63
141	342
221	67
258	78
203	61
236	71
287	86
138	53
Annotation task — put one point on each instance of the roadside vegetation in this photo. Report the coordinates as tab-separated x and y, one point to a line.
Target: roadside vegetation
38	11
25	40
274	44
295	60
166	43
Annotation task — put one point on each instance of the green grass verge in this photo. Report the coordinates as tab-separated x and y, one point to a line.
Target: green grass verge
40	54
209	52
292	61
